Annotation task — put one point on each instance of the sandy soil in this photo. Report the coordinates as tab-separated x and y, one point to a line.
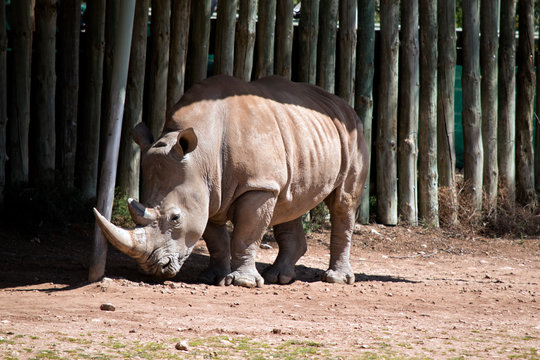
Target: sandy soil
419	293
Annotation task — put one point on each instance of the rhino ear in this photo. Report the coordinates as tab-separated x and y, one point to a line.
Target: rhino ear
143	137
187	141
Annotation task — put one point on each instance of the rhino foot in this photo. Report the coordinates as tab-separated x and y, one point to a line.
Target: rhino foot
339	277
279	275
246	279
214	275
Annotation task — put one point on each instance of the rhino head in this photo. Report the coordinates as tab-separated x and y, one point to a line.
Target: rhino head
177	204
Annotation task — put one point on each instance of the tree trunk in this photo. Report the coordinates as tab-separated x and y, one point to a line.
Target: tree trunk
308	28
265	38
129	156
244	42
363	102
346	50
45	92
428	202
326	64
472	135
226	23
284	38
409	66
199	41
159	65
488	63
507	102
3	104
22	13
178	50
114	128
525	193
69	28
387	115
90	110
446	39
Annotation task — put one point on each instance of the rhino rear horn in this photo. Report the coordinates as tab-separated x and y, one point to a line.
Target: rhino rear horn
140	214
130	242
142	136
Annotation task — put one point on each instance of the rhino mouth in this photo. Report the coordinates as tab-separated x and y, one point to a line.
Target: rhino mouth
165	266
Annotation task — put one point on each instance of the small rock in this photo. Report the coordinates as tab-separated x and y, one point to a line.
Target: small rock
266	246
182	345
107	307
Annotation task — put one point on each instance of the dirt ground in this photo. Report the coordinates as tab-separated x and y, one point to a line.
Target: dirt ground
419	293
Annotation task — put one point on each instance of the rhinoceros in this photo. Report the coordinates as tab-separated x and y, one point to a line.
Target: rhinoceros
257	154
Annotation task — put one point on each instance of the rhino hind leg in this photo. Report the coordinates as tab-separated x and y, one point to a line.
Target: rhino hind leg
252	214
342	218
219	246
292	245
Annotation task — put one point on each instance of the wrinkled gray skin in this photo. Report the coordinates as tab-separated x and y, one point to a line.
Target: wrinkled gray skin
257	154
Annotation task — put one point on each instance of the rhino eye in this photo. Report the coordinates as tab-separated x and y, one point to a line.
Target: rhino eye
174	218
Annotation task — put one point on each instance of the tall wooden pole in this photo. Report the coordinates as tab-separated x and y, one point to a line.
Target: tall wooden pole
284	38
265	38
67	94
428	206
489	45
507	103
45	92
363	102
446	42
3	103
226	23
114	125
472	132
129	156
244	41
326	62
180	17
308	29
22	13
90	115
346	50
159	65
199	41
525	81
409	66
386	146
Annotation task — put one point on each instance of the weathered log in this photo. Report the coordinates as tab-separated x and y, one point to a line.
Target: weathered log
90	110
409	65
525	81
308	29
159	65
67	94
326	60
129	156
180	12
428	202
507	103
3	104
346	50
199	42
446	57
114	129
489	44
386	145
363	102
22	13
244	41
472	133
265	38
226	23
45	90
284	38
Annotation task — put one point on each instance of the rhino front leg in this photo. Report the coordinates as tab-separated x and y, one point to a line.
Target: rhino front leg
219	246
292	245
342	220
252	214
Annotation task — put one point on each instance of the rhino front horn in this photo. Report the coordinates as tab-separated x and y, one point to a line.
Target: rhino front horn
130	242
